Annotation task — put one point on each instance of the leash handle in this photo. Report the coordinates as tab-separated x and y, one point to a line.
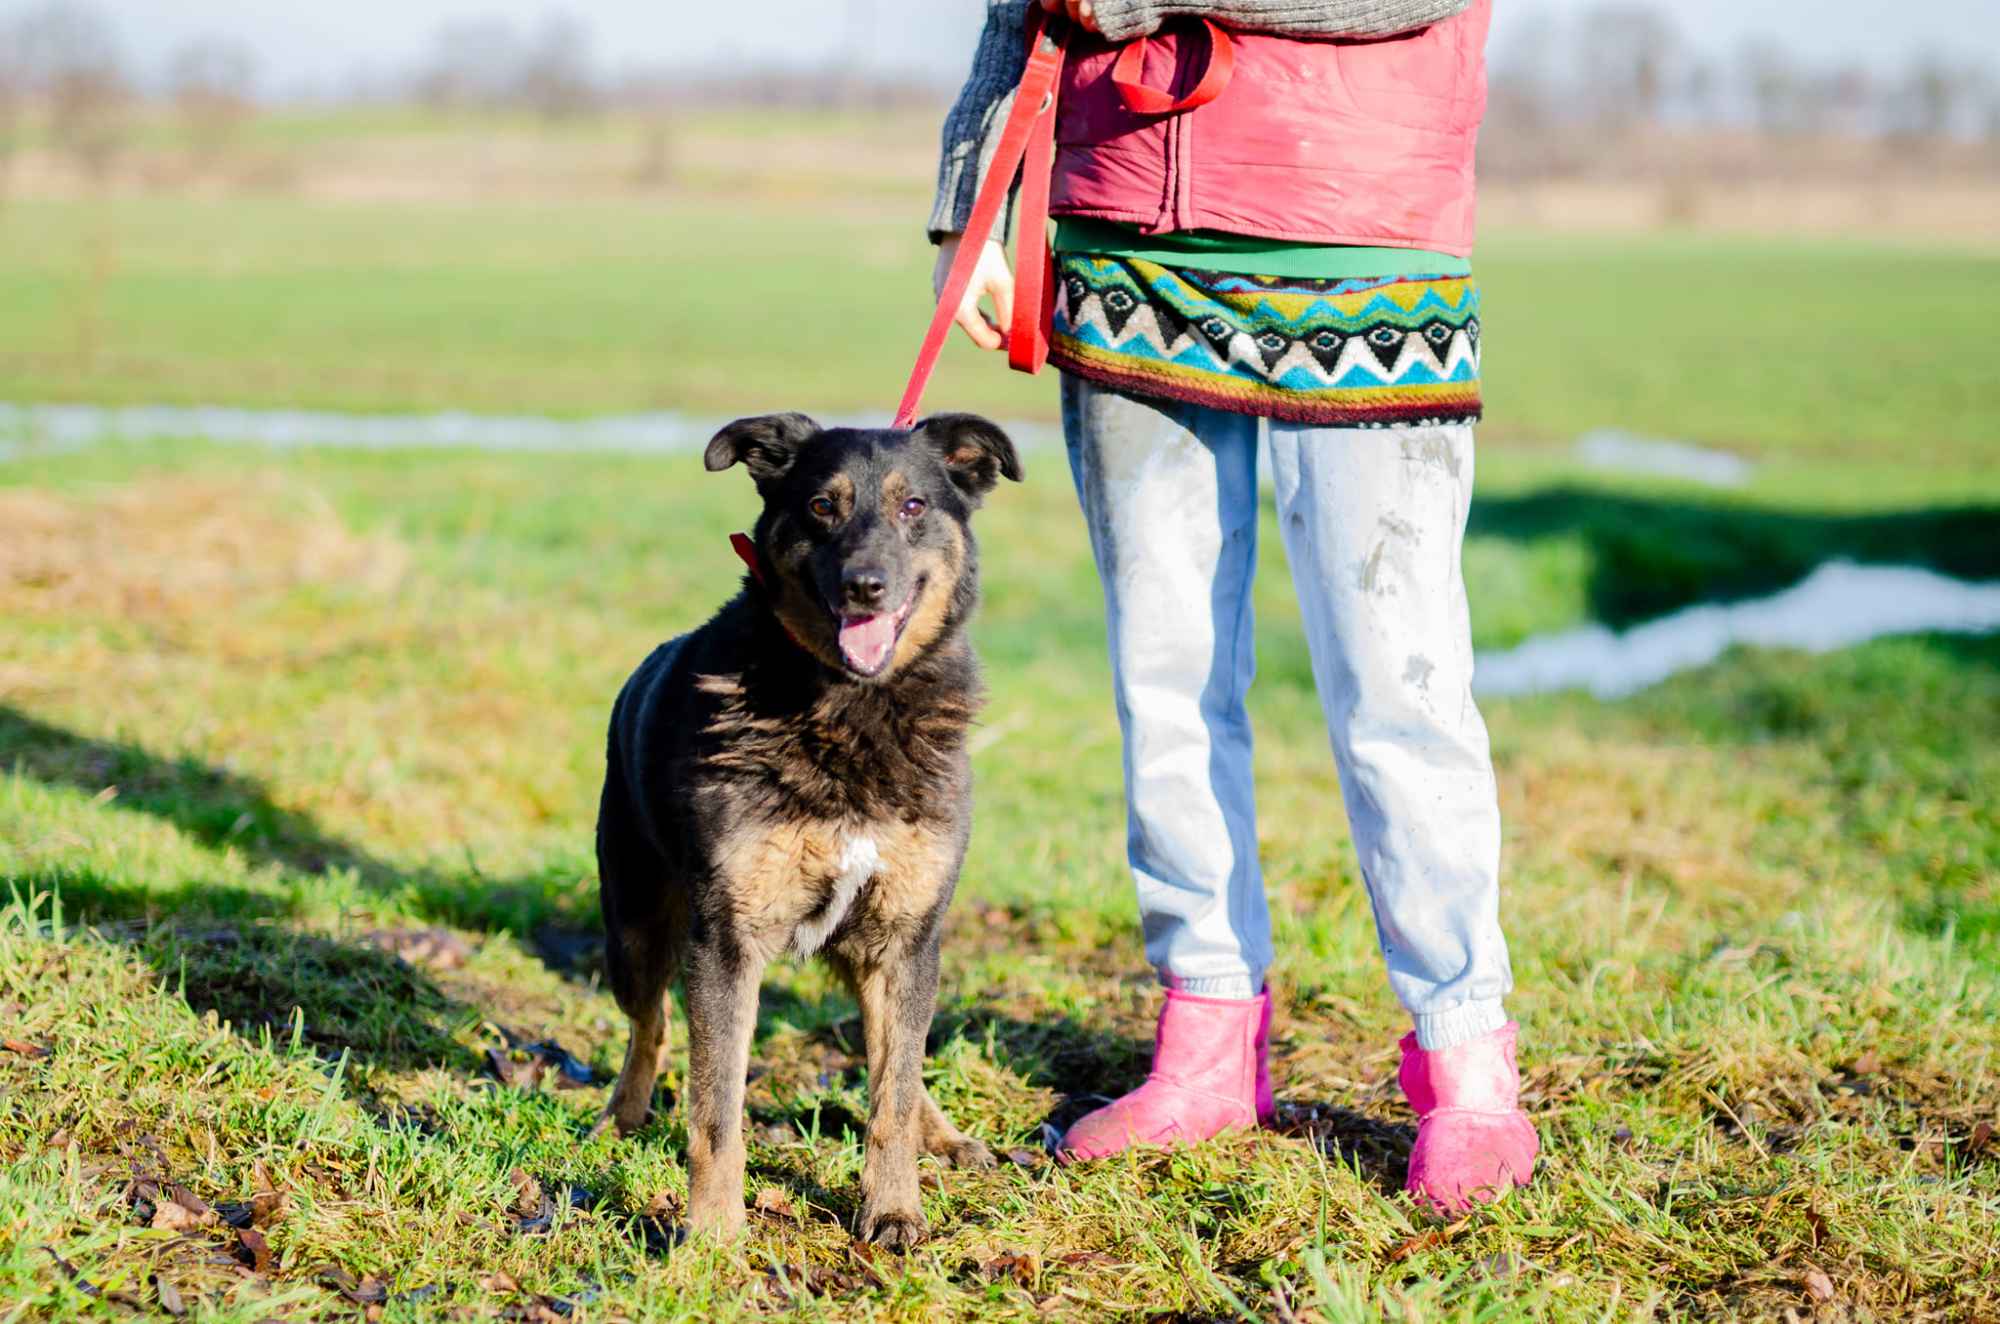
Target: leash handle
1029	137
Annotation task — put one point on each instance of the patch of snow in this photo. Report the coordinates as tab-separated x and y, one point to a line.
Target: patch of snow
1839	605
1625	452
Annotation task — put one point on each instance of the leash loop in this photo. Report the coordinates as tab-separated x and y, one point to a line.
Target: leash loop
1143	100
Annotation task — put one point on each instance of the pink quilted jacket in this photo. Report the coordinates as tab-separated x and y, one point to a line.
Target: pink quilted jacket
1329	142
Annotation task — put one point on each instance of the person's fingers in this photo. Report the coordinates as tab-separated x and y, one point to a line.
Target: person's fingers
1084	14
1000	288
974	324
992	279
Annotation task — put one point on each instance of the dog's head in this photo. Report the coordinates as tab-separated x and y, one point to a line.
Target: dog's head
865	542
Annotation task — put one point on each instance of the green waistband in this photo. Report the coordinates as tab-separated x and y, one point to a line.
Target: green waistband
1212	250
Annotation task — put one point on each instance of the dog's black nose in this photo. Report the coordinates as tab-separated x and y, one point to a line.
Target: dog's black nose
864	588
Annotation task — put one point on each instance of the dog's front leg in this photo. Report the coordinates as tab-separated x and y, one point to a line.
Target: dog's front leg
721	1013
898	995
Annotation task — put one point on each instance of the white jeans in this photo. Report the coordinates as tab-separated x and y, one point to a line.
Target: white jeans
1372	521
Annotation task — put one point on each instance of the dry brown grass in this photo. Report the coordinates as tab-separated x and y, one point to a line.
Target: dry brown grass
173	552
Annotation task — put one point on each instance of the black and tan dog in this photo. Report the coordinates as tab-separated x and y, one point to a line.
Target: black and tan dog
793	776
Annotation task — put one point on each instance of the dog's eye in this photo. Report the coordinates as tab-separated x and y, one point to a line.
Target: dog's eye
821	506
914	507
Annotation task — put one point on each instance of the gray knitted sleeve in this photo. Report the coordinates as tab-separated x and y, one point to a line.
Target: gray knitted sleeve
972	128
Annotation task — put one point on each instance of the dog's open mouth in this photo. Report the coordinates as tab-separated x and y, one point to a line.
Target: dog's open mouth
868	642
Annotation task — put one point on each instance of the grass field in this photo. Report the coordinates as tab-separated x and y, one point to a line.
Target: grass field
1802	347
299	755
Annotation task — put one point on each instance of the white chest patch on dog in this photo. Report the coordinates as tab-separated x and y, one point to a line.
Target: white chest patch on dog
859	859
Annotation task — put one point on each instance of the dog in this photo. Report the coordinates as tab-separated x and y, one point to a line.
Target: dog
793	776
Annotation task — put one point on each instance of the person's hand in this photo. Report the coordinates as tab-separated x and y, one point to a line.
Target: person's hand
1081	12
990	278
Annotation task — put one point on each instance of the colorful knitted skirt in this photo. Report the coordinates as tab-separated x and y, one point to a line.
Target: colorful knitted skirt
1368	352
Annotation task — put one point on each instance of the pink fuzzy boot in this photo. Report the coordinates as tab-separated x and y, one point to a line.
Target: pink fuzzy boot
1211	1071
1473	1140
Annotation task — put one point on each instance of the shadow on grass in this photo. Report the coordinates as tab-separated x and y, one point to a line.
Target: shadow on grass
1377	1151
225	945
1650	556
223	949
226	810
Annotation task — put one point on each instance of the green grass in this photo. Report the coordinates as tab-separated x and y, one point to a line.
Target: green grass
1809	349
264	717
256	711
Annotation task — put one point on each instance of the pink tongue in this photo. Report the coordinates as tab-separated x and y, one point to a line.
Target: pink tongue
865	641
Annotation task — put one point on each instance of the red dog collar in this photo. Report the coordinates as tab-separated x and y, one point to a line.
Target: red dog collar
746	551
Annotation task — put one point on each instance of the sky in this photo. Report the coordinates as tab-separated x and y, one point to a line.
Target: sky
305	46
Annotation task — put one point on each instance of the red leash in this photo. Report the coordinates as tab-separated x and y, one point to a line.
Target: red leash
1028	143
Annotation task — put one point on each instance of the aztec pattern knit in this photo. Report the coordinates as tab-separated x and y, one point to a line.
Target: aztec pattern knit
1358	352
972	128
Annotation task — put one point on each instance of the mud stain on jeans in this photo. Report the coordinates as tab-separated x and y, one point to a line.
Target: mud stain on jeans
1417	672
1431	448
1397	536
1370	575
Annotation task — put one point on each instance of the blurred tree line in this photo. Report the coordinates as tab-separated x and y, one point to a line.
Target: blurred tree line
1570	95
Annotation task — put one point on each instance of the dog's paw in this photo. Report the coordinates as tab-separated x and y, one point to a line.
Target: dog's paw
716	1220
965	1152
894	1229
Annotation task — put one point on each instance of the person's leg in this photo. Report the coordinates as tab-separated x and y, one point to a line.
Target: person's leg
1373	524
1169	493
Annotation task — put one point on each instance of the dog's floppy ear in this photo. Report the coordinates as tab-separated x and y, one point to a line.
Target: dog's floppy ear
976	453
765	446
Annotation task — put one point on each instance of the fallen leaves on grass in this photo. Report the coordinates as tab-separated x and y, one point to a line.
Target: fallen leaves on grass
170	1297
90	1289
535	1207
523	1066
367	1291
166	1206
774	1203
266	1201
531	1307
817	1281
1818	1286
1428	1239
33	1052
1024	1267
180	1211
254	1253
